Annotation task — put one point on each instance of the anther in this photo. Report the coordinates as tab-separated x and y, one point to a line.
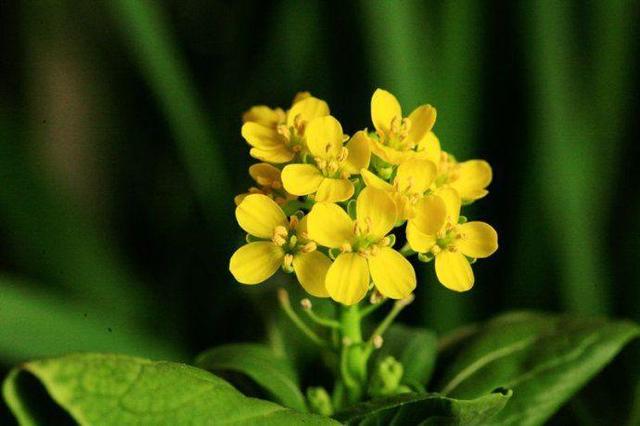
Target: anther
309	247
346	248
287	262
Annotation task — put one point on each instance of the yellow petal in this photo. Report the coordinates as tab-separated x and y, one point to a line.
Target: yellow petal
311	271
302	228
479	240
324	137
278	155
348	278
254	263
378	209
474	177
370	179
430	215
259	215
260	136
392	274
419	241
384	108
307	109
390	155
334	190
329	225
429	148
264	174
300	96
301	179
405	209
415	175
359	153
452	201
454	271
264	115
422	120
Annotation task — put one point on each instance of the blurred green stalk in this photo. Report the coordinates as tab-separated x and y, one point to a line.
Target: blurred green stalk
153	47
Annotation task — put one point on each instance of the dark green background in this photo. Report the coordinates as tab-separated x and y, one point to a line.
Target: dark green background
120	154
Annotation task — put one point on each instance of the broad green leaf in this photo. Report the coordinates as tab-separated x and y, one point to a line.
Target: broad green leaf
426	409
415	349
118	390
258	362
544	359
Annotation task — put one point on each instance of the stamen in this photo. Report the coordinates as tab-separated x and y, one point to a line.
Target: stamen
287	262
346	248
309	247
344	153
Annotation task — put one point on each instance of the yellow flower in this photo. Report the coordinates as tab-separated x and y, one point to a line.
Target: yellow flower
435	231
413	178
398	137
469	178
285	244
333	164
269	183
276	136
365	249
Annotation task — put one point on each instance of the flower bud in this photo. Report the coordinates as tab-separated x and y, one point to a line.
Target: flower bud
386	378
319	401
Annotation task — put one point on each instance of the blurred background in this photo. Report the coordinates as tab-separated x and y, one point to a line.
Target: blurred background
120	154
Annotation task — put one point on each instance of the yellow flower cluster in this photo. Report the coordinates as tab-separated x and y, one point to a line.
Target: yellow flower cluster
352	196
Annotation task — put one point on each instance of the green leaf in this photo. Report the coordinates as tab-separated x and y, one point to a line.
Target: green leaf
415	349
116	390
260	363
544	359
426	409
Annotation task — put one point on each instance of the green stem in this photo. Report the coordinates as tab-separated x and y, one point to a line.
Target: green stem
285	303
325	322
353	363
398	306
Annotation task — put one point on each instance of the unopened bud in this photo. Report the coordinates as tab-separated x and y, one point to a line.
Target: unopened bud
378	341
319	401
386	378
306	303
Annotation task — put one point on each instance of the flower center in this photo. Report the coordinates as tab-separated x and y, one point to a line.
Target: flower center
447	238
293	136
364	243
449	170
331	165
290	240
396	138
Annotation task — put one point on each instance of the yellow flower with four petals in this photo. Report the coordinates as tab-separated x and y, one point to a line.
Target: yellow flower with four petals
435	231
276	136
333	162
397	137
365	249
284	243
413	178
